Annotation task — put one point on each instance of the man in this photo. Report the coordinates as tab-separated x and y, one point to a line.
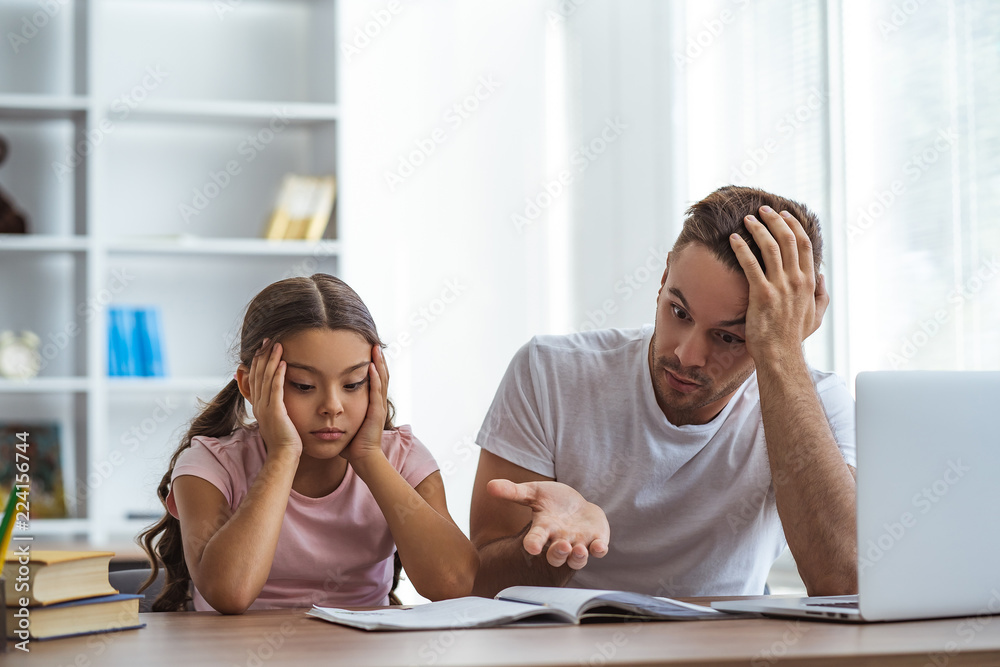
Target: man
646	448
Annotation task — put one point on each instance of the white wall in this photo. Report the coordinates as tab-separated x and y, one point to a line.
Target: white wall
629	201
454	286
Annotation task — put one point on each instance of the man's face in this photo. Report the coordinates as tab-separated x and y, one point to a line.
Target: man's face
698	357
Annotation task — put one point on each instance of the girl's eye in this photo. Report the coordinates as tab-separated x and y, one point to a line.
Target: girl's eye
354	386
301	387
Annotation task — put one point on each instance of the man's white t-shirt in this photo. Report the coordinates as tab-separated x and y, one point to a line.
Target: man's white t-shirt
691	508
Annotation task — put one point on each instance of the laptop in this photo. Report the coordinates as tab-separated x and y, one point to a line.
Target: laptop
928	502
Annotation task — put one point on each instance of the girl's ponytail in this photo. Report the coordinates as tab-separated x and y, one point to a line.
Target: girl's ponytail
218	418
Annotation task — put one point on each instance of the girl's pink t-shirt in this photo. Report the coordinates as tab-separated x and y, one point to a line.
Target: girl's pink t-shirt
332	551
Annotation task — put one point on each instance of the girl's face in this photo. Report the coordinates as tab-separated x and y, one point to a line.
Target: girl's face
326	388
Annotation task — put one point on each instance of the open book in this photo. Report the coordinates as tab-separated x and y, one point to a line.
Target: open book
522	605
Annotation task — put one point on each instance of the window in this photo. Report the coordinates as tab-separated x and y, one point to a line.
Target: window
884	117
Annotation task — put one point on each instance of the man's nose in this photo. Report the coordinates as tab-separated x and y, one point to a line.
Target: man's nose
691	350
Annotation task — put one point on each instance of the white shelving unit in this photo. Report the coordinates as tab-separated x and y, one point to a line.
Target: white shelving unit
147	140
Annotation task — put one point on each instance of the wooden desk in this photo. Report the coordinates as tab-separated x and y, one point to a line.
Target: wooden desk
289	637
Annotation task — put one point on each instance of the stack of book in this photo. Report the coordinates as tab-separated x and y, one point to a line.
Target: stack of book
64	593
134	342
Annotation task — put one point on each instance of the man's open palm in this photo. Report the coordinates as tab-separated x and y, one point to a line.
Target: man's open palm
573	528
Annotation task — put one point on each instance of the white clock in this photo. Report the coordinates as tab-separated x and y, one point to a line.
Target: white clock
19	357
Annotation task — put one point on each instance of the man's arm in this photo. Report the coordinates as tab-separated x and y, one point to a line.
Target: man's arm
814	487
515	514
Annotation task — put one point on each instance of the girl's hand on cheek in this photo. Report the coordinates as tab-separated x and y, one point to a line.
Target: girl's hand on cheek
368	440
267	395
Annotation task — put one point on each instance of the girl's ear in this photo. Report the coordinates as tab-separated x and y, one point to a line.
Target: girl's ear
243	380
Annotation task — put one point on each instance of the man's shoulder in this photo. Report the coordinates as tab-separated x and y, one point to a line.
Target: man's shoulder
830	387
827	380
596	341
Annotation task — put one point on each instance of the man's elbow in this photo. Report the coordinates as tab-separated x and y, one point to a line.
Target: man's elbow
841	581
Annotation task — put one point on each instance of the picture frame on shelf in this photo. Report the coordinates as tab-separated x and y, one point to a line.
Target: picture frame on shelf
12	220
303	208
41	442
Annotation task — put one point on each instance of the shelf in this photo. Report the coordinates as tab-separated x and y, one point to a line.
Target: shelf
34	107
44	385
105	159
217	246
295	113
41	527
42	243
167	385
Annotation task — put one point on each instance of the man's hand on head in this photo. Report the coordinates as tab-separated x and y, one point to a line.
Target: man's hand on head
573	528
787	303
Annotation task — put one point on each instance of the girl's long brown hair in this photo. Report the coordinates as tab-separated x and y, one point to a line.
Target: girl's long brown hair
281	310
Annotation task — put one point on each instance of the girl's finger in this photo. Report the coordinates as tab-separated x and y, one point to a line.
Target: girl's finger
278	384
270	371
374	392
383	371
254	380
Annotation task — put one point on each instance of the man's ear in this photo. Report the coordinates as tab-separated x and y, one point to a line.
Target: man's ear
666	270
243	380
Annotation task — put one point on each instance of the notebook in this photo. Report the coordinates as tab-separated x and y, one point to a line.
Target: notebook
928	480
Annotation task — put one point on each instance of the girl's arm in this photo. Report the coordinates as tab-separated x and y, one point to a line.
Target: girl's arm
229	554
439	559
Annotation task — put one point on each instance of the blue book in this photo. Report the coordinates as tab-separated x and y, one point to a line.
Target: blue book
126	355
154	332
112	348
141	352
118	335
107	613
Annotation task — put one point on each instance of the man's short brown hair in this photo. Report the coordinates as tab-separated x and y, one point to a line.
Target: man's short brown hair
711	221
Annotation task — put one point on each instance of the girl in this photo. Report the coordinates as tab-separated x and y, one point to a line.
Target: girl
306	505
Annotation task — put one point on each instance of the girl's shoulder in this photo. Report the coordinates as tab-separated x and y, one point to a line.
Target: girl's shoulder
243	448
398	438
407	454
245	435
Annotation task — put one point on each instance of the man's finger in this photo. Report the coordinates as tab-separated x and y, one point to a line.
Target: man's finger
821	293
781	232
522	494
806	264
536	539
558	553
822	302
751	267
578	557
598	548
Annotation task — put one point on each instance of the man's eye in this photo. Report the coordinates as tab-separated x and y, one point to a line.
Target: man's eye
680	314
729	339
